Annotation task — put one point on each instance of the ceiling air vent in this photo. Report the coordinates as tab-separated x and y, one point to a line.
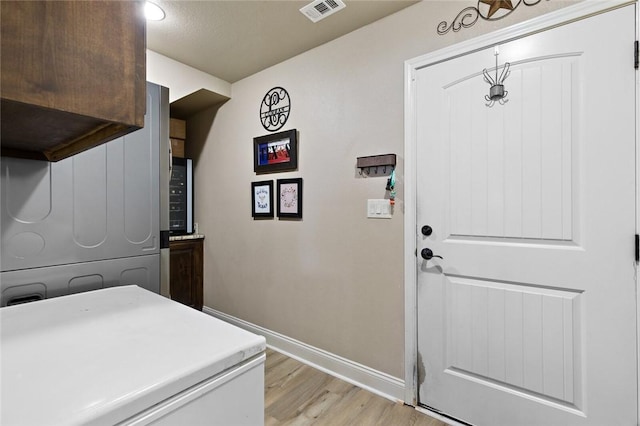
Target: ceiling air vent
320	9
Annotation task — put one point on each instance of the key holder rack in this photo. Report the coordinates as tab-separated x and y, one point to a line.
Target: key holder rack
383	161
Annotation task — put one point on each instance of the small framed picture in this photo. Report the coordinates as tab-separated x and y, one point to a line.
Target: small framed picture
276	152
262	199
290	198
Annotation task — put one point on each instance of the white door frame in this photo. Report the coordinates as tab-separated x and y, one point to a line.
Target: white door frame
578	11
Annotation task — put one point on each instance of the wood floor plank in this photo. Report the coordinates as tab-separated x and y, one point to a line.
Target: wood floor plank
299	395
277	380
348	410
309	385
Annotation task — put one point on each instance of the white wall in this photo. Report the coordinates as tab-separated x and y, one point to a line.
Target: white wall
335	279
181	79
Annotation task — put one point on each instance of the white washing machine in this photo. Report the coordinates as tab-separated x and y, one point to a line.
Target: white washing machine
126	356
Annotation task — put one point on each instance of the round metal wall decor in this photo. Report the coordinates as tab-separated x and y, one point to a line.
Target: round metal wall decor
275	108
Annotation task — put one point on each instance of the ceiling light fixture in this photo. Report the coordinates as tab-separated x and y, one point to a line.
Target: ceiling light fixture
153	12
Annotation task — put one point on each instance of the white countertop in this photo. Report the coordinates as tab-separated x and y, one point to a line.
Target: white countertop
102	356
186	237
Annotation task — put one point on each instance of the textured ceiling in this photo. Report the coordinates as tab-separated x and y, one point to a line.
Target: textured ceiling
233	39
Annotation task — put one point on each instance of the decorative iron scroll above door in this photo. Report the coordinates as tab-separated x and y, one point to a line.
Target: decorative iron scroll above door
274	109
489	10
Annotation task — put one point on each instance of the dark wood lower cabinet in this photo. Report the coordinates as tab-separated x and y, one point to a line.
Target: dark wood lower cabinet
186	272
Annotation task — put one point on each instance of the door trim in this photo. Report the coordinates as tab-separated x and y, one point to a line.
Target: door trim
563	16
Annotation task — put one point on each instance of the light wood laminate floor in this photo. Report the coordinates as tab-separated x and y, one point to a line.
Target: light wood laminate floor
297	394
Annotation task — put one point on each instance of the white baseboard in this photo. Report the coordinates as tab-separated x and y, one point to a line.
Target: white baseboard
357	374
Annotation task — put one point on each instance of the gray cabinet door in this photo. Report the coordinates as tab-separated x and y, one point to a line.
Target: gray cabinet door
99	204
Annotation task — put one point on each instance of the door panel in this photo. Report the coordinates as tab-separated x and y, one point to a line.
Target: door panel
89	195
501	334
529	318
519	189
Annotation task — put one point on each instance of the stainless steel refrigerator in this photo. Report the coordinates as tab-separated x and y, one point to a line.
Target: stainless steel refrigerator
95	220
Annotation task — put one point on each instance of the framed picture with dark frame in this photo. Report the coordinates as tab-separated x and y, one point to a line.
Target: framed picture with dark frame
262	199
276	152
290	198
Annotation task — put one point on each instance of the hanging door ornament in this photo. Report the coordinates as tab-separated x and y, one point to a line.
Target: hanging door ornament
274	109
497	92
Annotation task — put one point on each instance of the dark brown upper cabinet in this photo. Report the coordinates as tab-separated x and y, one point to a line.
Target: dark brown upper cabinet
73	75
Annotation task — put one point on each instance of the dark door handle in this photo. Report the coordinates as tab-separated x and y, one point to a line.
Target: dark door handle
427	254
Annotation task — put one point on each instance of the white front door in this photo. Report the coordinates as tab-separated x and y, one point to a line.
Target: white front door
529	318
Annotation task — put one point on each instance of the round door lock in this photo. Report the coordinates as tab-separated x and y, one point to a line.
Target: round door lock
427	254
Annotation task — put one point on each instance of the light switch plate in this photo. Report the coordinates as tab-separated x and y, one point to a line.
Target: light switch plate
379	209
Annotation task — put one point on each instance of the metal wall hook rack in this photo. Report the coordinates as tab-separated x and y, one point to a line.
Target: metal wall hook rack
375	161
